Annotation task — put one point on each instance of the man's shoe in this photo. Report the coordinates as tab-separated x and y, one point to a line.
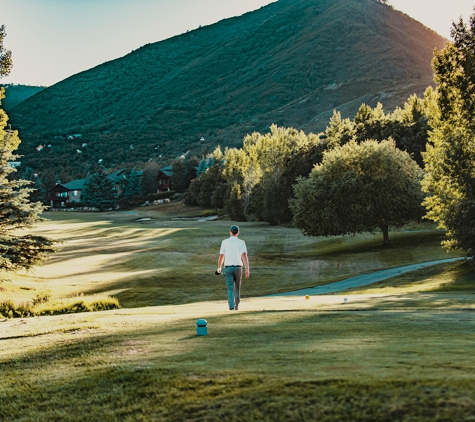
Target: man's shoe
231	309
236	308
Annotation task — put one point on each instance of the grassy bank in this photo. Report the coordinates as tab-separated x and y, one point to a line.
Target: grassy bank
397	355
276	360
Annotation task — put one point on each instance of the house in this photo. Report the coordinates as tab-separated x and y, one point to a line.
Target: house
164	179
118	177
61	193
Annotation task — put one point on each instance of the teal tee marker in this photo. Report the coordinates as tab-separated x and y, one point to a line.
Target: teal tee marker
201	327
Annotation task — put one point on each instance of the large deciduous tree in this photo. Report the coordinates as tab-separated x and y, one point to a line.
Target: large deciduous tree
450	156
149	178
180	179
359	188
408	126
260	175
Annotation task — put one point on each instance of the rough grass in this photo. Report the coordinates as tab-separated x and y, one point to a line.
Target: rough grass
381	357
9	309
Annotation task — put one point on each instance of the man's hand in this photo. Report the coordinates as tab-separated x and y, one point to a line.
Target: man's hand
218	271
248	273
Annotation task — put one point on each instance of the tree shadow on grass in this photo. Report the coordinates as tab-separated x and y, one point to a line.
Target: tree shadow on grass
99	377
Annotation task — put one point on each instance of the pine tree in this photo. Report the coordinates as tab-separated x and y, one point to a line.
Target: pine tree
39	193
38	190
450	156
16	211
134	187
28	174
202	167
5	55
99	191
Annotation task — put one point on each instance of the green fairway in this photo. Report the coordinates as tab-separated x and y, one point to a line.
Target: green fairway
392	355
163	261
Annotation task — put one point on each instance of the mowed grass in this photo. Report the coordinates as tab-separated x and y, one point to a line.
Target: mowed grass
275	360
394	356
457	277
162	261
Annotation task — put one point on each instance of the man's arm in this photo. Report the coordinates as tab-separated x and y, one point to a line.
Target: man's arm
220	261
245	261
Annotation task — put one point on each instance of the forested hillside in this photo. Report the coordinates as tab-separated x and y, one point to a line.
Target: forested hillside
290	63
15	94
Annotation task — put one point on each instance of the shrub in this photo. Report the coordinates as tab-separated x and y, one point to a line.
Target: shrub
9	310
42	297
42	306
178	196
78	304
160	195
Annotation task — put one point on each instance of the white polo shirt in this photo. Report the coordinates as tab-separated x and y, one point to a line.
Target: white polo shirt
232	249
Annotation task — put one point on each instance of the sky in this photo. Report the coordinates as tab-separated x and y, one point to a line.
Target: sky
53	39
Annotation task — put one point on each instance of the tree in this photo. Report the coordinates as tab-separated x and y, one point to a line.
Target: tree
370	123
359	188
339	131
450	156
242	172
48	178
410	127
38	193
179	179
16	210
133	187
5	55
260	169
202	167
209	188
210	180
99	191
284	155
149	178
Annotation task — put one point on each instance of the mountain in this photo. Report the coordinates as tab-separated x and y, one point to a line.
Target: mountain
15	94
291	63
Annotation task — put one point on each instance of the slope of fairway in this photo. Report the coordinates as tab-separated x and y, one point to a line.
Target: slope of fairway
378	357
163	261
375	358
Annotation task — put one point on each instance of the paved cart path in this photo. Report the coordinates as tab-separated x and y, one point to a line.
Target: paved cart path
365	279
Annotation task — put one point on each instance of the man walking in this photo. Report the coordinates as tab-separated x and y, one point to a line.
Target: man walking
233	254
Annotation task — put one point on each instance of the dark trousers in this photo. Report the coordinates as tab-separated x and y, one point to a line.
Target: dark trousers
233	281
